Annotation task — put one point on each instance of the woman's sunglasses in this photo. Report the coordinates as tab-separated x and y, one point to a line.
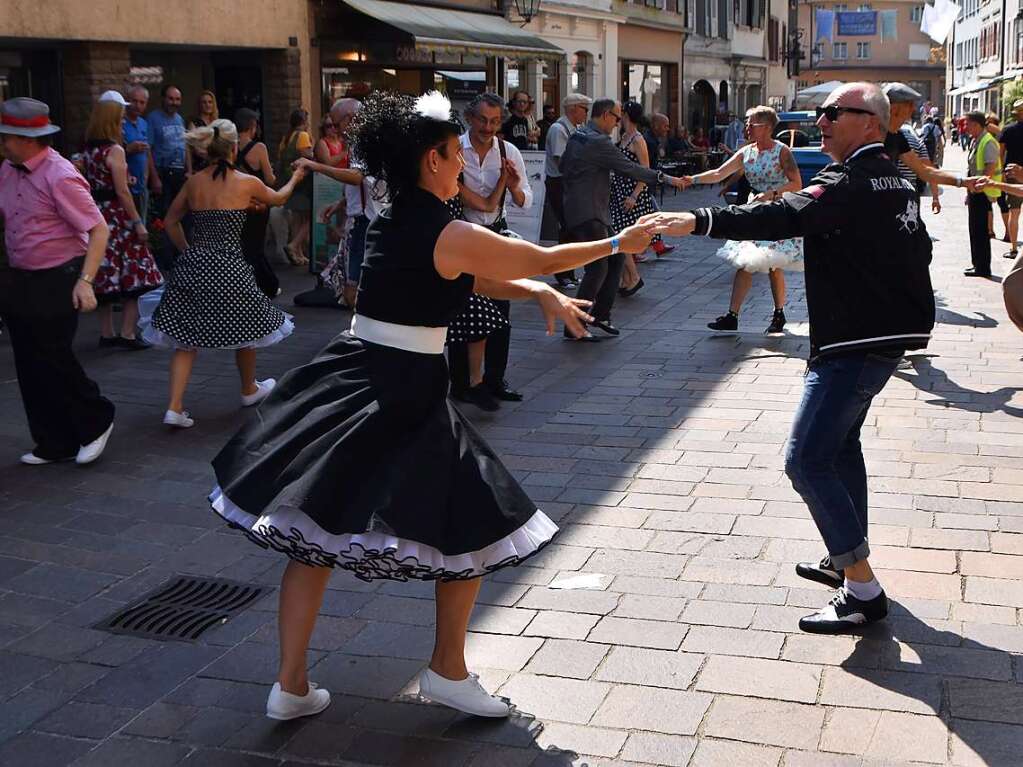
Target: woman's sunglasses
832	112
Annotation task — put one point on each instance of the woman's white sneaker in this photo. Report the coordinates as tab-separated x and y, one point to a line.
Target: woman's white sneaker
466	695
284	705
263	389
182	420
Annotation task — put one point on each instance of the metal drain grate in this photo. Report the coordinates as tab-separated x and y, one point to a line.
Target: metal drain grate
183	608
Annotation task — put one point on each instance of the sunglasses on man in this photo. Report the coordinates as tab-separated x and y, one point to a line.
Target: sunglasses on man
832	112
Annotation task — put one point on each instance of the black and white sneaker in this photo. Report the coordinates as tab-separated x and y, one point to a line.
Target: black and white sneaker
822	572
725	323
844	613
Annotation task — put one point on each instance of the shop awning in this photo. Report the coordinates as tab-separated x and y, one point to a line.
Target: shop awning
972	87
452	31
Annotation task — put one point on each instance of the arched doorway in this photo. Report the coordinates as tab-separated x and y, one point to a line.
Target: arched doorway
723	105
701	106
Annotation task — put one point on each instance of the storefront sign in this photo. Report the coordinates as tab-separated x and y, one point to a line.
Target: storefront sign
857	23
527	222
409	53
326	230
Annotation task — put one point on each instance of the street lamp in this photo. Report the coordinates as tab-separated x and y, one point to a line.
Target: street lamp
527	9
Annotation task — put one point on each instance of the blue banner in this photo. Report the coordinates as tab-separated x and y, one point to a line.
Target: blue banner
856	23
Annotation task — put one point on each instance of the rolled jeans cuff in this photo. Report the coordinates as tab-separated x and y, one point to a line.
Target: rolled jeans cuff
842	561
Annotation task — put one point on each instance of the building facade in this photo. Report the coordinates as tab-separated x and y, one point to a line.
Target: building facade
67	53
886	46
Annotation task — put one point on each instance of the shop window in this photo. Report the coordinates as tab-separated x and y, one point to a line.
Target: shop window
647	84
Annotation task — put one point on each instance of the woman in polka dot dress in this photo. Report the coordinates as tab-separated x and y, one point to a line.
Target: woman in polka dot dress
631	199
212	300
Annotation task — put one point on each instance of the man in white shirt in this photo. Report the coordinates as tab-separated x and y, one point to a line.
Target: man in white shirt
576	108
486	157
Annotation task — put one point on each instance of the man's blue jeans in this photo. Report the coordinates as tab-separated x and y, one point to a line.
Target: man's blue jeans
824	459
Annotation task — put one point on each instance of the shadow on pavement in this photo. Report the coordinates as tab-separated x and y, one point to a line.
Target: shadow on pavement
928	378
909	665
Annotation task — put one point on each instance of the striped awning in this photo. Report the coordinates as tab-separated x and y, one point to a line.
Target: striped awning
446	30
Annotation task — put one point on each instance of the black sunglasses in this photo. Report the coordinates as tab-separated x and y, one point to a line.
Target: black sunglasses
832	112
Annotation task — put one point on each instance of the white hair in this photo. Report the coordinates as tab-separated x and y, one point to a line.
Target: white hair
875	100
211	138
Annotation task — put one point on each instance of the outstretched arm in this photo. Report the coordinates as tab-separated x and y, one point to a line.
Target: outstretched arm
726	169
466	248
554	305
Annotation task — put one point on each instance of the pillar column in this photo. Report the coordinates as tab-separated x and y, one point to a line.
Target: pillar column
282	86
89	69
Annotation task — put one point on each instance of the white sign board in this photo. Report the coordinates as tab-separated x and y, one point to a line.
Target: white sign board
526	223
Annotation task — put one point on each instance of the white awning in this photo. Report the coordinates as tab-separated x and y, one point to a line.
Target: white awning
980	85
447	30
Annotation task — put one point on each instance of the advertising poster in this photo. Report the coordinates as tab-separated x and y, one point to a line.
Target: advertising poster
526	223
326	223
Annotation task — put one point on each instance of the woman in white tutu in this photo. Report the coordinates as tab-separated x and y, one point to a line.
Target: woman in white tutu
771	170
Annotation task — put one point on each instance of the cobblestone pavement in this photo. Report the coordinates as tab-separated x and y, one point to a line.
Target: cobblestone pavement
660	629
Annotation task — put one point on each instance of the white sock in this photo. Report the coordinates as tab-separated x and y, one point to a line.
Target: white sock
863	591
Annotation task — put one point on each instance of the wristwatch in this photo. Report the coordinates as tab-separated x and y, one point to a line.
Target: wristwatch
959	182
660	177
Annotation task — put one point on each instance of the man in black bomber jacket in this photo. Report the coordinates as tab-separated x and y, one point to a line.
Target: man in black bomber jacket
869	296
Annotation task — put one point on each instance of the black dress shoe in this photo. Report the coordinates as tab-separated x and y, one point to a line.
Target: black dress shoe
626	292
971	272
605	326
480	396
133	344
106	342
504	394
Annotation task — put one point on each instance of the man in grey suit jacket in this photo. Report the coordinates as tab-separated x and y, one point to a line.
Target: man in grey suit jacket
586	168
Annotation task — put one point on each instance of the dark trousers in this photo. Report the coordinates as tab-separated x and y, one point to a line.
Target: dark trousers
555	195
495	357
172	180
980	243
602	277
64	407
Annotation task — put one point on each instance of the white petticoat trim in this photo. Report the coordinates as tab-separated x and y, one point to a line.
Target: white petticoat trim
159	338
763	256
377	555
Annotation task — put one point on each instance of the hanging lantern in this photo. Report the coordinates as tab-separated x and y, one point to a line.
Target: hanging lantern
527	9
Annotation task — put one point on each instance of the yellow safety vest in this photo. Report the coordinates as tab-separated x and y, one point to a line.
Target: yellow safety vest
978	161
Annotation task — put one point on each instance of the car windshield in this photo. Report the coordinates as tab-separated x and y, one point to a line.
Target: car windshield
798	131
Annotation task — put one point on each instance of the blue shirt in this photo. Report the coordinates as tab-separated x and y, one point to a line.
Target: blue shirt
167	139
136	131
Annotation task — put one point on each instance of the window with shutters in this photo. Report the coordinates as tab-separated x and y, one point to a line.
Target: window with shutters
712	19
689	13
772	40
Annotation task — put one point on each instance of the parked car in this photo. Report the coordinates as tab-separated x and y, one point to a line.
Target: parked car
799	131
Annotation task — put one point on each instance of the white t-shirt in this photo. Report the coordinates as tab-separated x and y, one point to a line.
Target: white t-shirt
481	178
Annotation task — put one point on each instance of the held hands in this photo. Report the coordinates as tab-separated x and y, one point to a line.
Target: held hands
82	296
679	182
636	238
687	181
975	184
673	224
559	307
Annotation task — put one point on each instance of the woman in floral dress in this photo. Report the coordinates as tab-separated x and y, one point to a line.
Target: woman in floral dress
128	269
771	170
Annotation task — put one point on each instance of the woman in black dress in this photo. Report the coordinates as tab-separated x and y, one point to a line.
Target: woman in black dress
254	159
358	460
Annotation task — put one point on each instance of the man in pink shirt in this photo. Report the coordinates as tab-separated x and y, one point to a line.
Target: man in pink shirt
55	238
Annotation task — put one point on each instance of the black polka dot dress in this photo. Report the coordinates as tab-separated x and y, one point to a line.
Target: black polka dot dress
481	316
211	300
622	186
